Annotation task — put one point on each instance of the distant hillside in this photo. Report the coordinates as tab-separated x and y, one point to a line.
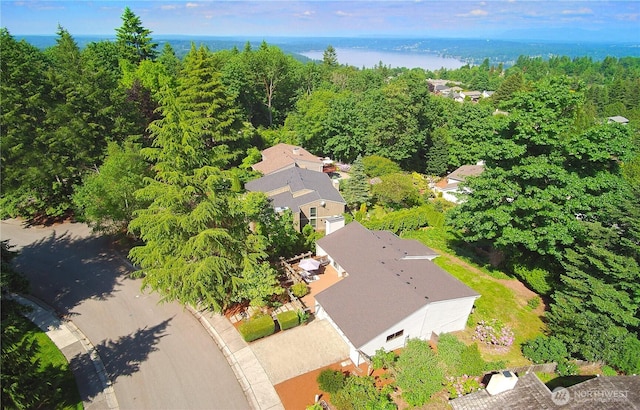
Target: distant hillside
468	50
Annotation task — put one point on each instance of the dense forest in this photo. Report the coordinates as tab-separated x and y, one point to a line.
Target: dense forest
133	139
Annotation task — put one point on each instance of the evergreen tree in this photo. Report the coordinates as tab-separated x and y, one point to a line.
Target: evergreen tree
330	57
23	91
134	40
357	188
438	153
212	113
197	245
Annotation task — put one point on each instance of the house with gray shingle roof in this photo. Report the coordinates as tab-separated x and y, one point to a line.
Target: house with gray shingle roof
391	291
310	195
529	393
618	119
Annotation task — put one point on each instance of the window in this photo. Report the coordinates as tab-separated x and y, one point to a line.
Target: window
395	335
313	215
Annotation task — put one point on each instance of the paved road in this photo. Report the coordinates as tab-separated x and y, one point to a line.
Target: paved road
157	355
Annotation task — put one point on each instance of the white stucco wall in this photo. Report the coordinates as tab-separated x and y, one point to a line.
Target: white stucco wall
412	327
448	316
438	317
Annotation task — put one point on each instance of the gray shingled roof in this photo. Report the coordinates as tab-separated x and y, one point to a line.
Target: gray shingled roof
602	393
298	179
383	286
465	171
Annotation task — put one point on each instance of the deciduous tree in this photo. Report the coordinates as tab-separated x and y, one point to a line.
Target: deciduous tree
106	197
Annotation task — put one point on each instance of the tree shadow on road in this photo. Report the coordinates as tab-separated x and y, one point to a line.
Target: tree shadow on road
123	357
65	268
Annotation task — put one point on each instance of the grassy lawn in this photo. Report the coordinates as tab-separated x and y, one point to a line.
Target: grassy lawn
54	369
502	298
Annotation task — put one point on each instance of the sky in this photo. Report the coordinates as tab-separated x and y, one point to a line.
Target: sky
551	20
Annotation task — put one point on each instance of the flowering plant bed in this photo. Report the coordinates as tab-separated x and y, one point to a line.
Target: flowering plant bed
494	333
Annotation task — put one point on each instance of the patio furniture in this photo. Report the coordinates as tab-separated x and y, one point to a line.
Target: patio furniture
308	277
309	264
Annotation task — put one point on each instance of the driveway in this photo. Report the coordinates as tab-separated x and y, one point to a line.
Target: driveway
157	355
299	350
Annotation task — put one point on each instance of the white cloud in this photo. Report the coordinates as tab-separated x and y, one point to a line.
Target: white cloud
191	5
474	13
583	10
168	7
343	13
478	12
628	17
483	3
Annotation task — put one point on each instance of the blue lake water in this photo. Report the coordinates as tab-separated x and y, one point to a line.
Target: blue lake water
369	58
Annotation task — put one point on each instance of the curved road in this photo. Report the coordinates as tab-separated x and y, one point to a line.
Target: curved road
157	355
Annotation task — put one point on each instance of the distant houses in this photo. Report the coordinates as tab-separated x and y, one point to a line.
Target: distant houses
449	186
618	119
451	89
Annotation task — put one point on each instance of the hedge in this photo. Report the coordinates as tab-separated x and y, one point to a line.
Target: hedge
288	319
257	327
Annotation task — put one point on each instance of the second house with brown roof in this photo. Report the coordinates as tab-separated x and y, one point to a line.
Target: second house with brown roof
282	156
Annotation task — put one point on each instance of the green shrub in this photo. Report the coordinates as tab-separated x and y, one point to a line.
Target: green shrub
257	327
608	371
539	280
449	353
288	319
331	380
303	316
377	166
407	219
418	373
533	303
458	358
545	349
566	368
360	392
461	385
471	362
626	357
383	359
299	290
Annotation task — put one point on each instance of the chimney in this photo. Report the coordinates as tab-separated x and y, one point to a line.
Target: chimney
502	382
296	151
333	223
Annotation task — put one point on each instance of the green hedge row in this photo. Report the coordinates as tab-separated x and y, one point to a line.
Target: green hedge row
257	327
288	319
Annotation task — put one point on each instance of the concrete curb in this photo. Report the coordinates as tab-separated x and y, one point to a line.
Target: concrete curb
250	374
63	333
